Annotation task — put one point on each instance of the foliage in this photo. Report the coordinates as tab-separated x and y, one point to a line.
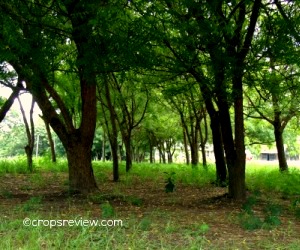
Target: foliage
249	220
145	224
13	165
295	205
32	204
170	182
267	178
166	64
107	210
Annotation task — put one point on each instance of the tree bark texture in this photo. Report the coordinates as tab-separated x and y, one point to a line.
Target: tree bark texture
280	147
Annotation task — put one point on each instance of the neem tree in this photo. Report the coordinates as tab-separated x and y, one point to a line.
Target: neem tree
42	39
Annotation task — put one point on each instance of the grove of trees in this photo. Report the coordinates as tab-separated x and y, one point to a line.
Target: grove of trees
153	74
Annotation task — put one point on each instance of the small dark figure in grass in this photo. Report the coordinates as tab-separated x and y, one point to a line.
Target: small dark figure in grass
170	186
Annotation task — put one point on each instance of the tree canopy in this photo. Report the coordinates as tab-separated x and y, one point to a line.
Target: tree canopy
167	73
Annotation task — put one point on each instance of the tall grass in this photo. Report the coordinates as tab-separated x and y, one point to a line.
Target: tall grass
18	165
270	179
258	176
13	165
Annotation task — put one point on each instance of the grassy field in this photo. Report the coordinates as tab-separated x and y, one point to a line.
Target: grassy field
196	215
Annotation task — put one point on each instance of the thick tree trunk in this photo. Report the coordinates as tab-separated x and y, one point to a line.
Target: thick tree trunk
280	148
81	176
29	154
237	185
77	141
216	129
221	170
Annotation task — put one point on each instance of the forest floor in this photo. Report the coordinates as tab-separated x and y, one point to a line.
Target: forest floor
191	217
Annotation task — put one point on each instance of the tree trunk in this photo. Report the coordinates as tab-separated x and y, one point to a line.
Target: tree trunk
170	157
194	153
186	150
29	154
162	154
169	150
128	152
203	138
50	140
163	157
237	185
202	146
115	159
77	141
9	102
280	147
30	133
221	170
81	176
238	188
103	147
151	152
113	134
216	129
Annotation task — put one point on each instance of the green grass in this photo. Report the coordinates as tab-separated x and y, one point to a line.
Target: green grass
18	165
269	179
154	230
258	177
134	234
13	165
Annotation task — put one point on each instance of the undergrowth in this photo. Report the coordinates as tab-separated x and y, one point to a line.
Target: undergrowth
141	230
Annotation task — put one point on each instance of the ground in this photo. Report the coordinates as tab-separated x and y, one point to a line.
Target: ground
198	216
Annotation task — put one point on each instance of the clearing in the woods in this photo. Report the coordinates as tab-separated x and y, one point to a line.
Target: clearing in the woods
196	215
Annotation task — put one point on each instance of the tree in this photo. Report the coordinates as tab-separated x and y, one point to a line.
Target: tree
188	103
36	53
179	35
30	133
110	123
214	36
277	102
132	98
276	85
50	141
